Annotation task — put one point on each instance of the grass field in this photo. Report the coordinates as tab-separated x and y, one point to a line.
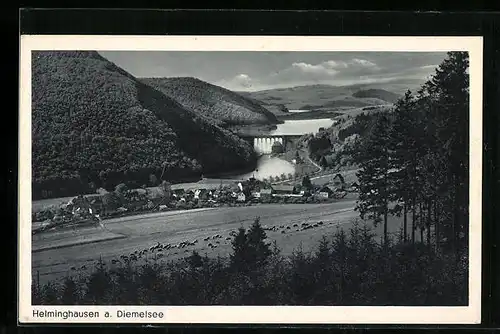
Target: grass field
143	231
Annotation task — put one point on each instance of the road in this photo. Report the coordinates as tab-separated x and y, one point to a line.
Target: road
123	236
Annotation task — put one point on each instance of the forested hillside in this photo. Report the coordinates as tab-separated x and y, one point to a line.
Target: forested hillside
213	102
94	125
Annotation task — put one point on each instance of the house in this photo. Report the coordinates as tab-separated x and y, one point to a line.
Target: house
189	195
233	187
178	193
255	194
283	189
325	192
201	194
338	181
241	197
216	193
304	191
267	192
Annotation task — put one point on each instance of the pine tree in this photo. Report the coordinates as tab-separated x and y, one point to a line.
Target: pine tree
250	251
70	292
99	284
50	294
374	187
306	182
195	260
239	255
259	249
446	98
402	147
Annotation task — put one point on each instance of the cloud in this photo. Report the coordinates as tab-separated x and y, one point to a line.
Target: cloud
355	70
323	72
240	81
364	63
243	79
330	67
333	67
319	69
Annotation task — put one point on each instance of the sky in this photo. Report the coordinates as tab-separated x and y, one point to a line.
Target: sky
253	71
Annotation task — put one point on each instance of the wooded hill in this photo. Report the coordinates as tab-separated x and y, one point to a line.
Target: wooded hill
95	125
218	104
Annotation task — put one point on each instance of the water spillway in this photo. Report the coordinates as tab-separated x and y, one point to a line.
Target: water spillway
263	145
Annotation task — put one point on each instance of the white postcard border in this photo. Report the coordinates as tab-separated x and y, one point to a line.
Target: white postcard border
470	314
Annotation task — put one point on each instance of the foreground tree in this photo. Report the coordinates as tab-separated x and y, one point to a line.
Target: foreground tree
374	187
404	147
448	95
250	251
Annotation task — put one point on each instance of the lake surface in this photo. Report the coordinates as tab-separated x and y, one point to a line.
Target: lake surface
302	126
298	110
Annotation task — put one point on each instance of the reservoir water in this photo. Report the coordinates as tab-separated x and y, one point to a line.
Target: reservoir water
302	126
298	110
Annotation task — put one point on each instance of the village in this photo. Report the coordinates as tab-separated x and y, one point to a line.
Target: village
89	209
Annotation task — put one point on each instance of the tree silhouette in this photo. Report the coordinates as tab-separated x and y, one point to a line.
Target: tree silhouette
239	257
374	188
195	260
259	249
306	182
70	292
404	157
250	251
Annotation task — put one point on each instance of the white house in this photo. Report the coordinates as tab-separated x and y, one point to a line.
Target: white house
323	194
241	197
256	194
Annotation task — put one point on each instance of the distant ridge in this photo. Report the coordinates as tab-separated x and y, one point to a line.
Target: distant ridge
221	105
94	124
378	94
322	96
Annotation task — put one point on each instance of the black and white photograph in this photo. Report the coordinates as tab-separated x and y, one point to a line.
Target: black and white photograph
228	174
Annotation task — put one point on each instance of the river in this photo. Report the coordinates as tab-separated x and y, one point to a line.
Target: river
269	166
272	166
